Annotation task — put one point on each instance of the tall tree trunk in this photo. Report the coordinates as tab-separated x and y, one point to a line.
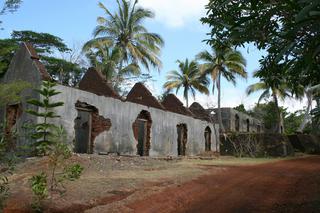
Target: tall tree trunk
280	127
306	117
186	95
219	103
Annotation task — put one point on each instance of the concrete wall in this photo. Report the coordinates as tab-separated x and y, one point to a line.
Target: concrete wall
23	67
229	121
120	137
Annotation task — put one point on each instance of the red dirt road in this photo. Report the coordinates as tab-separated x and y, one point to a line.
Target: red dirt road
285	186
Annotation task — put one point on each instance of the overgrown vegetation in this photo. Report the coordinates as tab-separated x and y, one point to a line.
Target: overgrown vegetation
288	31
50	140
255	145
67	71
6	167
43	108
9	93
246	145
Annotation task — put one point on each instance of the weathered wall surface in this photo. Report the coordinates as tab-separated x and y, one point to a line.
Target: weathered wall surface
23	67
120	138
229	121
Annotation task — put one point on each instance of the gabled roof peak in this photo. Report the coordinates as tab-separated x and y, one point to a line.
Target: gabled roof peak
173	104
141	95
93	81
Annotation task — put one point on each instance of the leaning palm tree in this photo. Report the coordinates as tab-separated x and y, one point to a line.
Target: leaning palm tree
272	84
189	77
124	30
222	62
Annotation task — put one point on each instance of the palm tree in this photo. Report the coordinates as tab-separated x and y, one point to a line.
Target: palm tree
272	83
106	59
222	62
124	30
189	77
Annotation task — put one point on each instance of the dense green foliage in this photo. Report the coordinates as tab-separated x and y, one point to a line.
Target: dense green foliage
289	31
9	93
42	42
46	45
267	113
189	78
292	121
40	191
241	108
7	49
66	72
6	165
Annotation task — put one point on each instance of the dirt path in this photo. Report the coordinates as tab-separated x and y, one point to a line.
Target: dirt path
285	186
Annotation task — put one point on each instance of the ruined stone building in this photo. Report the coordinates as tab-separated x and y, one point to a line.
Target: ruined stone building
97	120
235	121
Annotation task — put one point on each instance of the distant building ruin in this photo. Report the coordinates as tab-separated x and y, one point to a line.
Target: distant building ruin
235	121
97	120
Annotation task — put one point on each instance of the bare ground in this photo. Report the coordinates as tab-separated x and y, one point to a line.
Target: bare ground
130	184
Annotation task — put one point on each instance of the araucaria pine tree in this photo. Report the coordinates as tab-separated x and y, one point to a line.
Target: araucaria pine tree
44	129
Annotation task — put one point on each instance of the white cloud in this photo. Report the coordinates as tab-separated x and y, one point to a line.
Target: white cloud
176	13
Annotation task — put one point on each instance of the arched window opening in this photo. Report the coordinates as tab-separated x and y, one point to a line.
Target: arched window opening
248	125
237	123
207	136
182	138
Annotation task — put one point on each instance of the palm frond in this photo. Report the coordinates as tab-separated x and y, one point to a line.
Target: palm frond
256	87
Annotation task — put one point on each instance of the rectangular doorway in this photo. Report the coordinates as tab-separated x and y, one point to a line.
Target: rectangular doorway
182	138
142	136
83	126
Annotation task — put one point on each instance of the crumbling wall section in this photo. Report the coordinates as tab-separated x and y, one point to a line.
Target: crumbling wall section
121	138
98	123
25	66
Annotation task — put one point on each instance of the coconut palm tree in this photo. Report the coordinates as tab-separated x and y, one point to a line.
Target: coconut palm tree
222	62
124	30
189	77
106	60
272	83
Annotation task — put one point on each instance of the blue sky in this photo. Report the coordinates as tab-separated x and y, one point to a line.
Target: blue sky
177	21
